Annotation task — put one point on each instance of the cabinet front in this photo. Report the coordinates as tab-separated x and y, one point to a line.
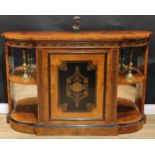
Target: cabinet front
76	84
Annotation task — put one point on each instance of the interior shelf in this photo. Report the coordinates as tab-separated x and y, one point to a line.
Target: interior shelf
27	113
138	78
124	105
17	77
128	111
27	101
24	117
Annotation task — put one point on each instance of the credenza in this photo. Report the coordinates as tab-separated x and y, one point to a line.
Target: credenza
76	83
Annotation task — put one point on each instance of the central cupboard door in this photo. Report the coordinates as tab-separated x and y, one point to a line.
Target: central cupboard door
76	86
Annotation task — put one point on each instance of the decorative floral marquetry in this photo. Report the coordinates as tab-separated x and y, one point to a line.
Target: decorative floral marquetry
63	66
77	86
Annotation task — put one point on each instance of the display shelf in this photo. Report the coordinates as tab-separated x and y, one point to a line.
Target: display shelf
27	105
17	76
19	69
24	117
27	101
126	105
127	113
138	77
25	111
19	79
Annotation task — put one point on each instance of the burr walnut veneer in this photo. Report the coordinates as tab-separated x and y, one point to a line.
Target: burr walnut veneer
73	85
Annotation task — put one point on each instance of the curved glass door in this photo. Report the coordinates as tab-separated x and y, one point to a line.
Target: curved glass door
23	87
131	82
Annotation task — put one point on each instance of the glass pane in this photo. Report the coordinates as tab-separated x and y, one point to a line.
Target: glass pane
22	66
130	79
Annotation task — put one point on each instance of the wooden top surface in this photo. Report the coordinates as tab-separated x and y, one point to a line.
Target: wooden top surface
73	36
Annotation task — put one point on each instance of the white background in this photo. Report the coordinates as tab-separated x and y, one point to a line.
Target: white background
77	146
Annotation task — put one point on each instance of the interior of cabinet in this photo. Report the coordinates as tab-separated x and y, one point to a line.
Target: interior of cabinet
131	78
23	84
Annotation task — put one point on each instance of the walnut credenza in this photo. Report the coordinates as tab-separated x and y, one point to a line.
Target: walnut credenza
76	83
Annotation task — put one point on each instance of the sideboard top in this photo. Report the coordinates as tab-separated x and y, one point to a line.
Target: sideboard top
72	36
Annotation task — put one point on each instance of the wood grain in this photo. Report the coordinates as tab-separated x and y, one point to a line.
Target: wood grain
35	118
147	132
55	61
83	35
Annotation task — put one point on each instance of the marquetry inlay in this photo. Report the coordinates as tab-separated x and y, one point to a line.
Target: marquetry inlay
77	85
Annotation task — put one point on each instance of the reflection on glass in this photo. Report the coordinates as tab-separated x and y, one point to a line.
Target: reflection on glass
23	81
130	79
